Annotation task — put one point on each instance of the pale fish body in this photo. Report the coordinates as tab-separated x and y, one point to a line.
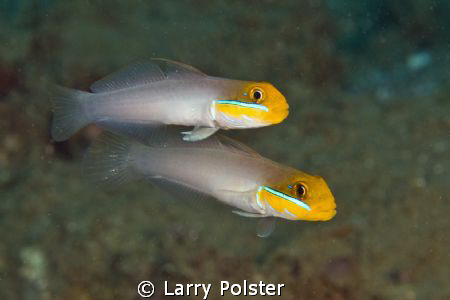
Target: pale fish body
218	167
163	92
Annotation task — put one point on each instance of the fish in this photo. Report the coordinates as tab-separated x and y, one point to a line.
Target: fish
217	168
164	92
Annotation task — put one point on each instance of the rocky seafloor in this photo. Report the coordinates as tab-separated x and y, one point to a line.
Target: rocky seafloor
368	88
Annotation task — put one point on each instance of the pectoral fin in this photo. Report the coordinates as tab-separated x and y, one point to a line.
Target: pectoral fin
198	133
247	214
265	227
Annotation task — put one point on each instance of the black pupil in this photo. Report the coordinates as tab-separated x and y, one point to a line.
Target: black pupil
257	95
301	190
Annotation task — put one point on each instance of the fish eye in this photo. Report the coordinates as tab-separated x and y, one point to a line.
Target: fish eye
300	190
257	94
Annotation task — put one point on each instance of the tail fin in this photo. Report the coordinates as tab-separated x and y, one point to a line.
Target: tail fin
108	161
68	113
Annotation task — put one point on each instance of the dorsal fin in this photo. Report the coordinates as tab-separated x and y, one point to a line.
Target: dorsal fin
176	70
133	75
138	132
142	73
171	137
234	145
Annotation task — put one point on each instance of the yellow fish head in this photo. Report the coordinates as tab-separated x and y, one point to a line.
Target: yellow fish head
253	104
300	197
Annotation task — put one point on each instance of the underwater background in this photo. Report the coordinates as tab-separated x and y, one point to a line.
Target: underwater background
368	83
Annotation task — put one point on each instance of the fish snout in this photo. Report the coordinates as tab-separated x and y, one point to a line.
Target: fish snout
276	115
326	215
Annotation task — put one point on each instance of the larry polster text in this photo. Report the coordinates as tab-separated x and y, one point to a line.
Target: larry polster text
245	289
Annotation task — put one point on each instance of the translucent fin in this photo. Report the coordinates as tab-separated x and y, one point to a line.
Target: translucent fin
68	113
198	133
107	161
142	133
247	214
144	73
216	141
177	70
265	227
131	76
234	145
171	137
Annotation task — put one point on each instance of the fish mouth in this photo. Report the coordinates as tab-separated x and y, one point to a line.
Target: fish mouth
281	110
277	115
327	214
